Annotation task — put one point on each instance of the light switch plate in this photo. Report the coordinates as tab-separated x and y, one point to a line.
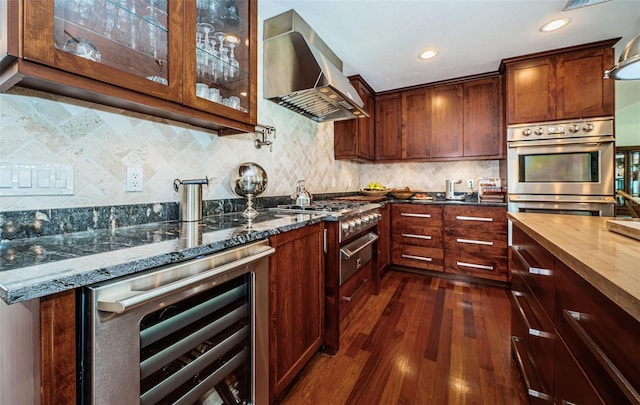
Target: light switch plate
20	178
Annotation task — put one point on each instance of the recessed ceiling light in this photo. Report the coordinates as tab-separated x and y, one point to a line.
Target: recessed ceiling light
555	24
428	54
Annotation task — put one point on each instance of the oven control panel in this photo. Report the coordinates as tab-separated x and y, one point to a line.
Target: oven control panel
359	222
561	129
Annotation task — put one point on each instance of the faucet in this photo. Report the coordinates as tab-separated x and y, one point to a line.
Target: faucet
451	193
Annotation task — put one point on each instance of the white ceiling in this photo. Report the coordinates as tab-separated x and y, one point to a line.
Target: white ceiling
380	39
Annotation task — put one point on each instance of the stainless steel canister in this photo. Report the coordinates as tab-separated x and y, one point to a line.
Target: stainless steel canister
190	203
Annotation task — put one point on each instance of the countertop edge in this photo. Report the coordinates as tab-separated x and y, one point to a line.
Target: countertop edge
47	286
614	292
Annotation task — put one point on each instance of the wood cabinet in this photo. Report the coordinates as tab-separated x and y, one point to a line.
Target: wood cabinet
388	127
573	344
475	241
603	338
416	236
416	128
460	119
561	84
143	58
296	304
446	121
384	242
354	139
483	131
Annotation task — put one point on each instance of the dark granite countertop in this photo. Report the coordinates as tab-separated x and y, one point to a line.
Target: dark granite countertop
36	267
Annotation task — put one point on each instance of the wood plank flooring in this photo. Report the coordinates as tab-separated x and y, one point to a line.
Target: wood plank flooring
422	340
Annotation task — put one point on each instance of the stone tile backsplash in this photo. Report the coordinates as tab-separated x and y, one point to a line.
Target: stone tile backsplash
38	127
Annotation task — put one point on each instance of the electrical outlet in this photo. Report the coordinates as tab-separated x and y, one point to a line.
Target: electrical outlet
470	184
134	178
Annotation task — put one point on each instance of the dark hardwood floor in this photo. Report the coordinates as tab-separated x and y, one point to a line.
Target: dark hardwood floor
423	340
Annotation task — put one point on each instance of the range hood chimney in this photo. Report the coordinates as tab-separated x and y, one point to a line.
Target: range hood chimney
302	74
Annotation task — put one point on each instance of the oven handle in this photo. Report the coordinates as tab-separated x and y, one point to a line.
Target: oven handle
137	298
372	237
567	141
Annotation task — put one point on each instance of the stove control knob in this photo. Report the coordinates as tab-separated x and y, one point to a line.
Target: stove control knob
352	224
539	131
365	219
345	226
526	131
358	222
587	127
574	128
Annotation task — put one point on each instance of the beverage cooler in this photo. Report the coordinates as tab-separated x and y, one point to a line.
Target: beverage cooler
627	175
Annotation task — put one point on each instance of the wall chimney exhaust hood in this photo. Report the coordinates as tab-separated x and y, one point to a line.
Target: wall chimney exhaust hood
302	74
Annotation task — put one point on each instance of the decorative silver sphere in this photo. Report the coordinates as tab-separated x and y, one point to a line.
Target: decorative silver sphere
249	180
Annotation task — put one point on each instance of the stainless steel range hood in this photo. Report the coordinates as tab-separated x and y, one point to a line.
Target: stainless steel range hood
302	74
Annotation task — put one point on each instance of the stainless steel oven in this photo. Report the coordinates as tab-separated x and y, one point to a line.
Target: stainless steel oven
189	333
562	167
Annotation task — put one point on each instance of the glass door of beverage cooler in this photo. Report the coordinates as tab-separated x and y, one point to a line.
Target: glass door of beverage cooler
627	175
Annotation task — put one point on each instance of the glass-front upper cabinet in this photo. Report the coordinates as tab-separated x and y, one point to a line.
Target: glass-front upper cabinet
193	61
627	174
135	44
221	58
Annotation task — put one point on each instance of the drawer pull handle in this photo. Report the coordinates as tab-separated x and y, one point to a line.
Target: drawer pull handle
530	391
574	318
465	218
474	266
424	259
540	271
413	235
350	298
532	331
474	242
406	214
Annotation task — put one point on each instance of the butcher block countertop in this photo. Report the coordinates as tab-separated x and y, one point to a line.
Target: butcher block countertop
608	260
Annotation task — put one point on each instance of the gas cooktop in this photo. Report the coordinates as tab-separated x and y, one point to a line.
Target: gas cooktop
329	207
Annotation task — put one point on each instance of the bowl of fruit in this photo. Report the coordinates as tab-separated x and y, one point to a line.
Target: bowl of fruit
402	193
375	189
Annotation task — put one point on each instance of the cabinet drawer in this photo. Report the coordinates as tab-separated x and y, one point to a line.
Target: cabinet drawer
426	215
534	330
487	218
418	257
535	265
356	289
474	241
537	390
418	235
604	339
571	384
489	267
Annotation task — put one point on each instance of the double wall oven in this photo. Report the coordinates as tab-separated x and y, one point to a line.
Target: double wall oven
562	167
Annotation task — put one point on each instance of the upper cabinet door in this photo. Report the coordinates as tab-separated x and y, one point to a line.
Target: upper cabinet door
531	87
388	121
583	92
417	124
483	118
446	116
118	42
221	57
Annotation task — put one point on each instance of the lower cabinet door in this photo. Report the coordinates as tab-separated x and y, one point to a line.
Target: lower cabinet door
571	386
